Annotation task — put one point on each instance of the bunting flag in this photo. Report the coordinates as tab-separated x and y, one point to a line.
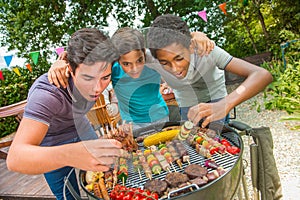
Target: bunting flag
34	56
202	14
8	59
59	50
223	8
1	75
29	67
16	70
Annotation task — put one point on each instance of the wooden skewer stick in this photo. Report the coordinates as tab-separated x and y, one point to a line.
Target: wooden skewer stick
140	174
168	169
173	167
219	154
229	153
188	162
149	176
179	163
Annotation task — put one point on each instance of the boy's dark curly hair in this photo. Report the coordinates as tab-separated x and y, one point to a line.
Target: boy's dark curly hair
166	30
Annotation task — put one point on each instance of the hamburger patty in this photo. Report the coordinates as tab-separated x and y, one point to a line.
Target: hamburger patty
174	179
194	171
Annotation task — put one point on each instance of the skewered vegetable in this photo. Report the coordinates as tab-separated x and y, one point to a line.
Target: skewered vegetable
211	164
160	137
152	161
143	161
185	130
123	170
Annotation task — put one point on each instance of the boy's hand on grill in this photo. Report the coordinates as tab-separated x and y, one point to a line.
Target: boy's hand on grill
95	155
208	112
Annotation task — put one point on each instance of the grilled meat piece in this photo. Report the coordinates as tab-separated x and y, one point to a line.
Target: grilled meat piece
212	175
157	186
175	179
194	171
200	181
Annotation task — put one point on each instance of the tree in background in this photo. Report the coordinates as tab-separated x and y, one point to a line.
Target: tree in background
30	25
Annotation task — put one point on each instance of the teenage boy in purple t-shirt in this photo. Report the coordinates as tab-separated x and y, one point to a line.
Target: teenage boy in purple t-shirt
54	135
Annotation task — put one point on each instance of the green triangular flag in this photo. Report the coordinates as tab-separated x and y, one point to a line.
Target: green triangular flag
34	56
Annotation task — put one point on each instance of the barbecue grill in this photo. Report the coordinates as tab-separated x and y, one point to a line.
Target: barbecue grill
224	187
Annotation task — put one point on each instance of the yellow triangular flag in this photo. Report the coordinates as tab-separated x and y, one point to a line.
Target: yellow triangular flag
16	70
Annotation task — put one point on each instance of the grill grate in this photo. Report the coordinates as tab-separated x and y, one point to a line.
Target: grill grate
226	161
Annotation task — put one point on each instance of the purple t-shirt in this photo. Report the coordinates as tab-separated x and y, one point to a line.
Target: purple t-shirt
64	113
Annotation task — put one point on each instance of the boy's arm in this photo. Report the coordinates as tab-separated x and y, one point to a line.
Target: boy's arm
27	156
257	79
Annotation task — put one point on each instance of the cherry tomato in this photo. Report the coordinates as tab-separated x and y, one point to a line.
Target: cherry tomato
235	150
120	196
128	195
137	196
213	150
113	194
154	195
147	192
225	143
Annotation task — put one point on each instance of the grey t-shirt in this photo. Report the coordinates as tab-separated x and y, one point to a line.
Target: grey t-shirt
55	107
205	79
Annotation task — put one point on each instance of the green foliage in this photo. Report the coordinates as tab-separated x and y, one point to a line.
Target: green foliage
285	91
14	89
8	125
247	29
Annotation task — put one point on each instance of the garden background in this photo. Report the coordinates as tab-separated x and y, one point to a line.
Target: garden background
37	29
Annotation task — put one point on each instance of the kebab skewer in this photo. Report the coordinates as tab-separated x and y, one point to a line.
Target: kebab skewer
137	167
174	153
182	151
143	162
163	150
123	170
162	161
153	162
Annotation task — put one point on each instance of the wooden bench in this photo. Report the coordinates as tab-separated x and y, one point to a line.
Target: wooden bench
17	110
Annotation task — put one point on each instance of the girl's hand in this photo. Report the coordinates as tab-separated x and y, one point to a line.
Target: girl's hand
201	43
59	74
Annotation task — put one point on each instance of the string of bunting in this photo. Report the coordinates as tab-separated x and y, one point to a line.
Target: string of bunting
203	13
34	56
222	7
